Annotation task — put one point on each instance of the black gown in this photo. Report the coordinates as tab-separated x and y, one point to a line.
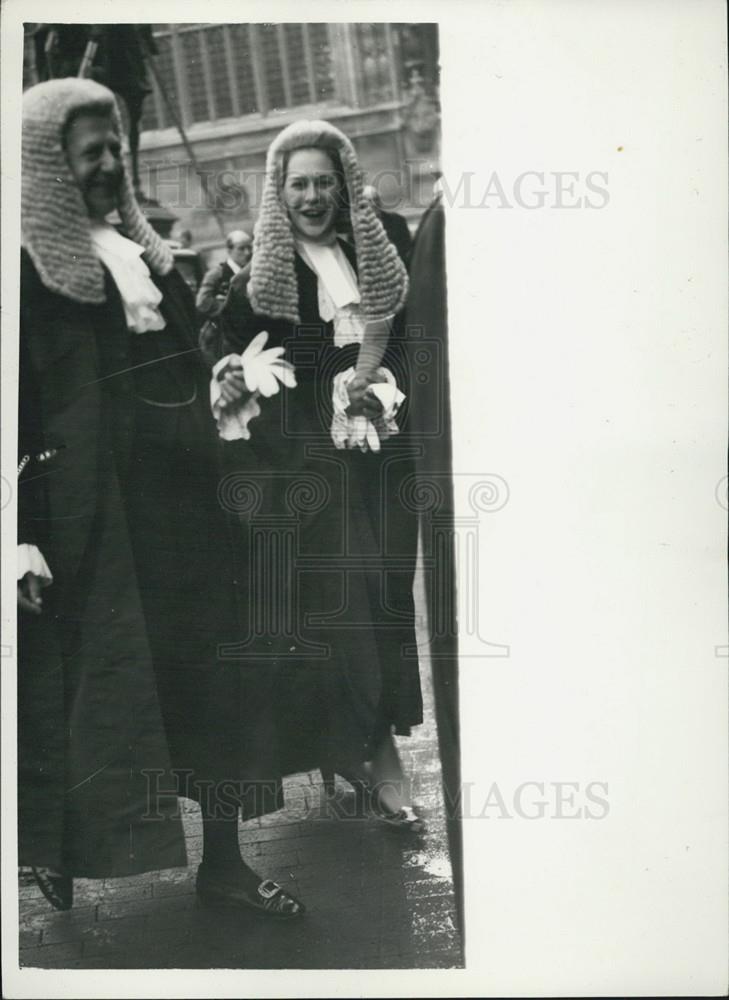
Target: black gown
331	540
123	698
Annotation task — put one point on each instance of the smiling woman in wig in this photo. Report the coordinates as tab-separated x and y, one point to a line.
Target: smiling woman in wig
312	388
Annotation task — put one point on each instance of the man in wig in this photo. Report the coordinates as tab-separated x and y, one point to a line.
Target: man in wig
126	592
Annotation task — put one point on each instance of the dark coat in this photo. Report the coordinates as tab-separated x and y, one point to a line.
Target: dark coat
332	547
431	425
213	289
398	233
127	681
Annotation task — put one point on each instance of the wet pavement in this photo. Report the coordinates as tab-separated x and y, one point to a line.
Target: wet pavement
375	897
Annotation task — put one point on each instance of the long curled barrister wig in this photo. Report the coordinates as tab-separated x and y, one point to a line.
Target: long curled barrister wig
272	290
55	224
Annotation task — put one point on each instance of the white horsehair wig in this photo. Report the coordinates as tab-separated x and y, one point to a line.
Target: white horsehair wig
55	223
272	290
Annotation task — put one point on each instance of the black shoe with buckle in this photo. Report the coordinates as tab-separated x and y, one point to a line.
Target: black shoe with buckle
269	898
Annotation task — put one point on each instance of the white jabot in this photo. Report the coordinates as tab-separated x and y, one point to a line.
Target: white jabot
235	268
337	290
334	272
139	294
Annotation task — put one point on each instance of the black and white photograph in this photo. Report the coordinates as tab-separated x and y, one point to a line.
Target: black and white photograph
233	430
364	498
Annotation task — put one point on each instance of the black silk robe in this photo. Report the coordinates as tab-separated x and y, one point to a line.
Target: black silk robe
123	698
331	537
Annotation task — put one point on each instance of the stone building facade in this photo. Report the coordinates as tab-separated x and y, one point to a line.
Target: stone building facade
232	87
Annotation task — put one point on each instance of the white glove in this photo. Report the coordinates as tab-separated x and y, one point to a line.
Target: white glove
360	432
263	372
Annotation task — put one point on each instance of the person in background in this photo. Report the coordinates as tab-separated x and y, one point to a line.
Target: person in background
395	225
126	585
214	287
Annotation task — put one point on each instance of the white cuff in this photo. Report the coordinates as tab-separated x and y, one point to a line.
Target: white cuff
232	420
360	432
30	560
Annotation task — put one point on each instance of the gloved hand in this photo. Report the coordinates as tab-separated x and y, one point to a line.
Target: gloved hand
255	370
358	430
240	380
362	400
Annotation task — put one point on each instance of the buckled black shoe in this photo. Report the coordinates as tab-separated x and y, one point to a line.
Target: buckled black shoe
269	898
58	889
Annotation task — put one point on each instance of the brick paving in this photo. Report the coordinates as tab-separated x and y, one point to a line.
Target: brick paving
375	898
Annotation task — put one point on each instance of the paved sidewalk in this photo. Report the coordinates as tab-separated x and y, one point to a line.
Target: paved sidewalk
375	898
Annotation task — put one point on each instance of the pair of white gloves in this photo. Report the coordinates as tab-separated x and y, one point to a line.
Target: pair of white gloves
264	371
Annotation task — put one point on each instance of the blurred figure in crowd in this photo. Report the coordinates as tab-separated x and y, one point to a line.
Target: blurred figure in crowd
395	225
214	287
126	588
182	238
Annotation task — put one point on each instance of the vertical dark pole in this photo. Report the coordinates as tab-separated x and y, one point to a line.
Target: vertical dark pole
427	312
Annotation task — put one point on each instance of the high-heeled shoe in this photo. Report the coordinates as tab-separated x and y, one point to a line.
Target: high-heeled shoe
58	889
407	819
